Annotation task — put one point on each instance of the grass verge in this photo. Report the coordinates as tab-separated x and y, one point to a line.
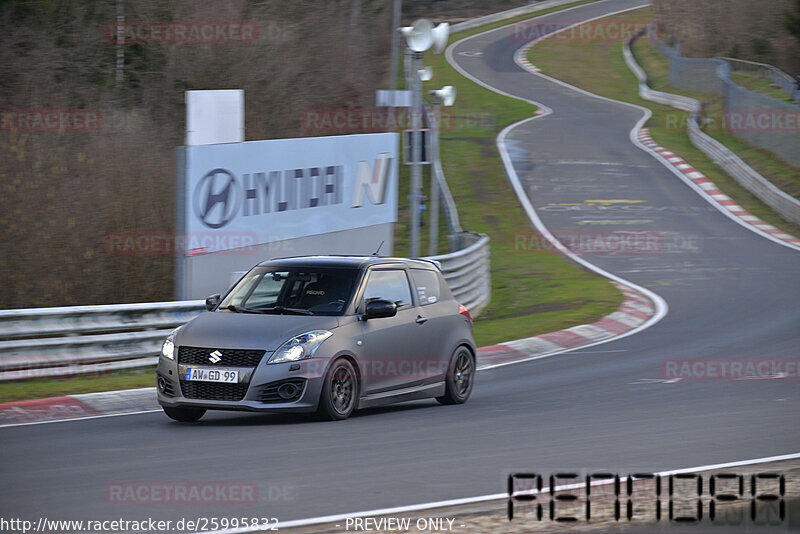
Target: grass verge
56	387
599	67
760	85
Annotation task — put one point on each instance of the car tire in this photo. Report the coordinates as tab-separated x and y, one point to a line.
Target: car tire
460	377
184	415
339	394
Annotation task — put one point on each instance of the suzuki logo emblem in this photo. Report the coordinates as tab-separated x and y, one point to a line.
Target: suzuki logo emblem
217	198
215	356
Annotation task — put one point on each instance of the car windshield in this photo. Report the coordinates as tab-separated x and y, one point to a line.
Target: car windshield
292	291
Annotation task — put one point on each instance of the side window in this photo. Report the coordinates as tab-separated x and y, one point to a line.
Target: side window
389	285
427	285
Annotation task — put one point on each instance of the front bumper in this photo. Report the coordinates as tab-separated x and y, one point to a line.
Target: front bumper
261	383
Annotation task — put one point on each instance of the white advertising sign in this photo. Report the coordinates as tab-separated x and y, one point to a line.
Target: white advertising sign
215	116
244	194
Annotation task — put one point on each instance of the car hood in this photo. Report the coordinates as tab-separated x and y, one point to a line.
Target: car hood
248	330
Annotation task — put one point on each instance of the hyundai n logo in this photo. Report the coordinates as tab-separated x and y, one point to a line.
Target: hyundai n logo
220	197
217	198
215	356
374	183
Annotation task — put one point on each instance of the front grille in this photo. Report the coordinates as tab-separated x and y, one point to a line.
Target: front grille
270	391
229	358
213	391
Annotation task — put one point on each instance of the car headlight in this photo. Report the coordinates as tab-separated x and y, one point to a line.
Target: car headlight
168	348
299	347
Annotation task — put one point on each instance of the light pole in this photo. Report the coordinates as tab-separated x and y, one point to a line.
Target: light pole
396	11
420	36
416	152
446	96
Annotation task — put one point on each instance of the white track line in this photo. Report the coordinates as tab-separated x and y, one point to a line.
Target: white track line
98	416
484	498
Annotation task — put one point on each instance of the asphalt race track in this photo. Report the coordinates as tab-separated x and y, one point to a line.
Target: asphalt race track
731	294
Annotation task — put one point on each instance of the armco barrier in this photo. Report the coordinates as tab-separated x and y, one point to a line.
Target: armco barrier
41	342
786	205
75	340
467	272
712	75
681	102
775	75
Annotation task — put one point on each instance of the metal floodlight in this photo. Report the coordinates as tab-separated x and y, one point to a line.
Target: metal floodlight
419	35
440	34
446	95
425	73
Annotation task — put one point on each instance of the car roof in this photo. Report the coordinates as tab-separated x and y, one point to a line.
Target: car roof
351	262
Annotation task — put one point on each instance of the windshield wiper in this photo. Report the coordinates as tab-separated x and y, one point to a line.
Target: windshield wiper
283	309
274	309
239	310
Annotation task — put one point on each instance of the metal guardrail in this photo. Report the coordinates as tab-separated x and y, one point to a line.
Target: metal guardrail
41	342
681	102
467	272
76	340
786	83
786	205
712	75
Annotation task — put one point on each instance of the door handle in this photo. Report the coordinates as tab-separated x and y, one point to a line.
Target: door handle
421	319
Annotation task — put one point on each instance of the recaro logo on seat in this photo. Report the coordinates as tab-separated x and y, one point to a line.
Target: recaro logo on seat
215	356
374	183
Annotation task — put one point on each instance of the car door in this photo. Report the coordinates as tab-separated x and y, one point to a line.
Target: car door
390	345
437	320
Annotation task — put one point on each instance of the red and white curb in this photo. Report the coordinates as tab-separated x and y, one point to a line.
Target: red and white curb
528	65
713	192
79	406
634	311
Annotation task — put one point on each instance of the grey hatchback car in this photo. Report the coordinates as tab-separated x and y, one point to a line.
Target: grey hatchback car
325	334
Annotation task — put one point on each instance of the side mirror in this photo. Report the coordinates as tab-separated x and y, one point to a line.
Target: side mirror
212	301
380	308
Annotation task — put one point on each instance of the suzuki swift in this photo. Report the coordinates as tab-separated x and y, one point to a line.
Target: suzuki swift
325	334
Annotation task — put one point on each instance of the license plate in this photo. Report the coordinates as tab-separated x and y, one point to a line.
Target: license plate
206	374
